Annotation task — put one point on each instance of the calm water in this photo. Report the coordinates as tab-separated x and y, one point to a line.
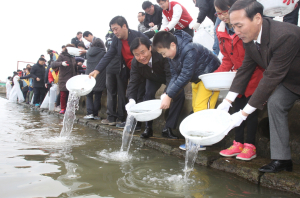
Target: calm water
36	162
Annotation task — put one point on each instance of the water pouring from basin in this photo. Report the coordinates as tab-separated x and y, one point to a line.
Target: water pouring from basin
78	86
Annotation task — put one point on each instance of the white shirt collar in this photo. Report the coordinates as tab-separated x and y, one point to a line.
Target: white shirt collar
259	36
150	62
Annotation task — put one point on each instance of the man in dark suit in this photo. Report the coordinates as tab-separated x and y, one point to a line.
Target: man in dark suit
275	46
151	67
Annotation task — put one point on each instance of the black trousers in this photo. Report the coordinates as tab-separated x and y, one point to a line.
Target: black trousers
175	107
39	95
189	31
292	17
251	121
93	105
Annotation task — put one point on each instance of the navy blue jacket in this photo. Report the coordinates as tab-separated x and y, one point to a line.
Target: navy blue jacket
116	49
191	60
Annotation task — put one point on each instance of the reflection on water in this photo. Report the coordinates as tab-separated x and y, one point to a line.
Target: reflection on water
36	162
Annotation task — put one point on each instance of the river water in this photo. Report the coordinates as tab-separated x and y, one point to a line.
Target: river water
36	162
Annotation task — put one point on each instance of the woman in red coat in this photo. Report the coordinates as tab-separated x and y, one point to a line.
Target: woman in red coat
233	51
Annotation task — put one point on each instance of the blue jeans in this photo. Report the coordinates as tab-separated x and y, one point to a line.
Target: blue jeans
216	48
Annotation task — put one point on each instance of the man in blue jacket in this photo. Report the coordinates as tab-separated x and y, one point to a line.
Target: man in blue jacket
187	61
120	46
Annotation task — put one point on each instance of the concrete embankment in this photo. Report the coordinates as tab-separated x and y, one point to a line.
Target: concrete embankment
286	181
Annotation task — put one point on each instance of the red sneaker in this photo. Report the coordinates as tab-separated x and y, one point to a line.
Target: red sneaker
248	153
62	111
234	150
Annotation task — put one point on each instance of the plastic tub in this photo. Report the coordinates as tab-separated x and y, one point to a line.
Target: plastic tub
81	84
73	51
218	81
146	111
275	8
53	91
206	127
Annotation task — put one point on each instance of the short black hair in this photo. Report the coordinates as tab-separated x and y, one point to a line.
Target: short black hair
251	7
139	41
79	33
9	77
163	40
81	44
86	34
42	55
224	4
143	13
63	46
42	59
146	4
160	1
120	20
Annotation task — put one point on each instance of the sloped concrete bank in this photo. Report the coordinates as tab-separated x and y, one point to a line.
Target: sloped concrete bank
286	181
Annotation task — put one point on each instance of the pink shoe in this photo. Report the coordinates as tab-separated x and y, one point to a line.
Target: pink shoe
62	111
234	150
248	153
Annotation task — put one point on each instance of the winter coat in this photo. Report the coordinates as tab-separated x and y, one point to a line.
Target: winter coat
156	18
75	41
116	50
65	72
206	9
160	72
233	55
191	60
94	55
37	71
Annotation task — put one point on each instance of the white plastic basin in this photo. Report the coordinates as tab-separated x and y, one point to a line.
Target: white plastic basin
146	111
206	127
73	51
81	84
218	81
275	8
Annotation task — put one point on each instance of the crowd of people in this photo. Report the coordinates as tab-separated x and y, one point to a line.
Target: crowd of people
132	65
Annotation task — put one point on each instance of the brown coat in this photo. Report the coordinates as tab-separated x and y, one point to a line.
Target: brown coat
279	55
65	73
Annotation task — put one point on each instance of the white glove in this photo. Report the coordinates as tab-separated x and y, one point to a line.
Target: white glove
163	96
236	119
17	77
130	104
65	63
154	28
196	26
224	106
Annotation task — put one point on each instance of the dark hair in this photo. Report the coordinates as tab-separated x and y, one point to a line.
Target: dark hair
79	33
251	7
140	41
9	77
143	13
163	40
146	4
63	46
224	4
86	34
81	44
42	55
28	69
118	20
160	0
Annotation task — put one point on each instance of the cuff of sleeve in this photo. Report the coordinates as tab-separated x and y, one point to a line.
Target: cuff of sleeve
249	109
231	96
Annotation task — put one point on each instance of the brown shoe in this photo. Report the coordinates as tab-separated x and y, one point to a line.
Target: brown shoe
107	122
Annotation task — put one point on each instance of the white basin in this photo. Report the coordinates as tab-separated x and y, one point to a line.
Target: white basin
81	84
146	111
218	81
73	51
275	8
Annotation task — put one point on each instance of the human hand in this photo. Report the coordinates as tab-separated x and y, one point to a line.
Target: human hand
224	106
151	24
82	52
17	77
166	101
38	79
196	26
154	28
64	63
46	85
79	63
236	119
94	74
288	2
130	104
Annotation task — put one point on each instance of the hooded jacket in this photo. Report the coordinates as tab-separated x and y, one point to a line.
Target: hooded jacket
191	60
234	53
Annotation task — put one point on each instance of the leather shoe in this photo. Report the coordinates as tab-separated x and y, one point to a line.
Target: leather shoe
147	133
277	165
167	132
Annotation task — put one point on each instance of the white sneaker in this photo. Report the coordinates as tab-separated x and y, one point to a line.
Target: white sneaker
57	109
88	117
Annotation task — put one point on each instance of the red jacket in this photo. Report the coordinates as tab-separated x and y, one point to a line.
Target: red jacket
185	18
233	51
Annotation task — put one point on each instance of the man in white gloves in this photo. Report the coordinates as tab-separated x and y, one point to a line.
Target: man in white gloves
275	46
155	70
175	16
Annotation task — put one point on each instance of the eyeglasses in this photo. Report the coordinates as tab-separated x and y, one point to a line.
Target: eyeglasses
221	13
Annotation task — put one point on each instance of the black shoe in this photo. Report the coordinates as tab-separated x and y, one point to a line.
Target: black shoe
147	133
121	125
277	165
167	132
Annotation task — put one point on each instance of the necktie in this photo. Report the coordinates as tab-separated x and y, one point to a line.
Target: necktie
257	46
150	64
